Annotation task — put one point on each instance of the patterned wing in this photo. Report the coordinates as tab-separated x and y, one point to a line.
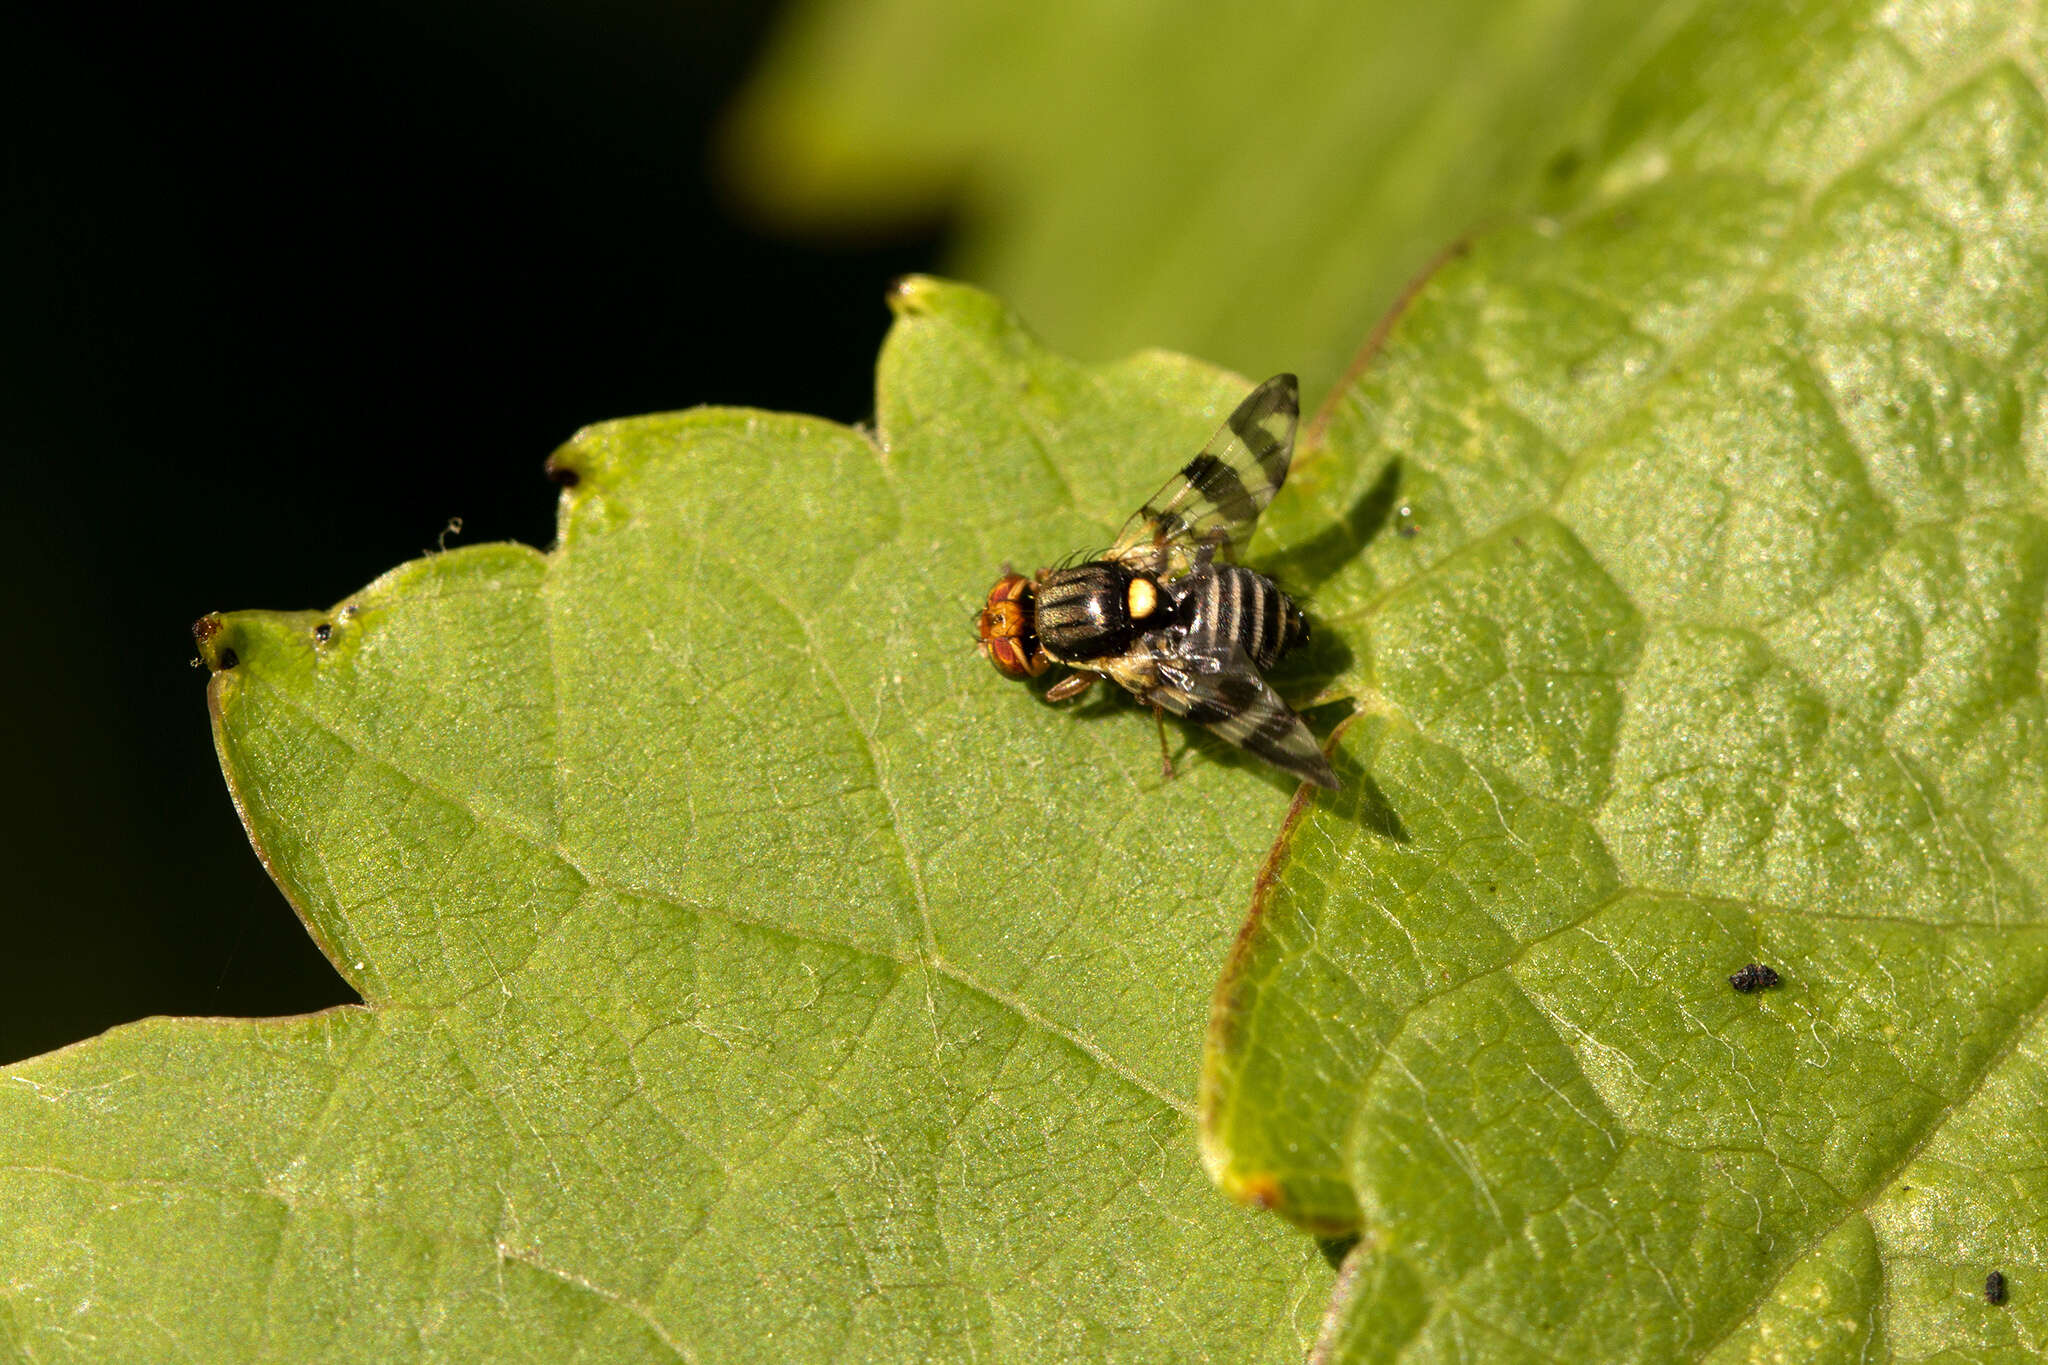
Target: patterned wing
1209	507
1230	697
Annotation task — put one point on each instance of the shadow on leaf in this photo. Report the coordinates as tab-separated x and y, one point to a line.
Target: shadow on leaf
1310	564
1361	801
1306	676
1335	1249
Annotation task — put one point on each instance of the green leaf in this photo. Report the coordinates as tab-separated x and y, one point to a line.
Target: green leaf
1691	558
745	963
744	960
1236	181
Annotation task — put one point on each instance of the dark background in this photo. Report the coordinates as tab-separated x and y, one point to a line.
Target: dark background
285	290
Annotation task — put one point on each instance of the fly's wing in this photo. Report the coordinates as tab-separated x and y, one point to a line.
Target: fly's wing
1210	506
1230	697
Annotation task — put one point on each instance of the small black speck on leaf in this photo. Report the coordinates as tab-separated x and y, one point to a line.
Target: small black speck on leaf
323	632
1994	1288
228	658
1754	977
561	473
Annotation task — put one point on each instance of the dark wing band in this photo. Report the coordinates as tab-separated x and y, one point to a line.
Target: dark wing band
1216	498
1235	702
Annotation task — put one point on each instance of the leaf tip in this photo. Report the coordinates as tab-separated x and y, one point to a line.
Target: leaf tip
561	469
1315	1207
915	296
1254	1189
930	298
216	652
231	643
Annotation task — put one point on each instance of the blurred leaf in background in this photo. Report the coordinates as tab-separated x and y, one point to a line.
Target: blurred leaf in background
1249	183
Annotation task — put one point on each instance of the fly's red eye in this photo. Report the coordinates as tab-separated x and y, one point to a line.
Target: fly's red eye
1007	659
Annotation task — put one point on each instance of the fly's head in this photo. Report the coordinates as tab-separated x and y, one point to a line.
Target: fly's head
1007	628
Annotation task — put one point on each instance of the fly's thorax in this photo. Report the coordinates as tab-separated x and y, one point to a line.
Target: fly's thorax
1095	610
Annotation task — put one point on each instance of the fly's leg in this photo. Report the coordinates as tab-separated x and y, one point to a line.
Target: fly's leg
1071	686
1165	758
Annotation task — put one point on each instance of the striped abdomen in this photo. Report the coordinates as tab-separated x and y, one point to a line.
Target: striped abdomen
1221	606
